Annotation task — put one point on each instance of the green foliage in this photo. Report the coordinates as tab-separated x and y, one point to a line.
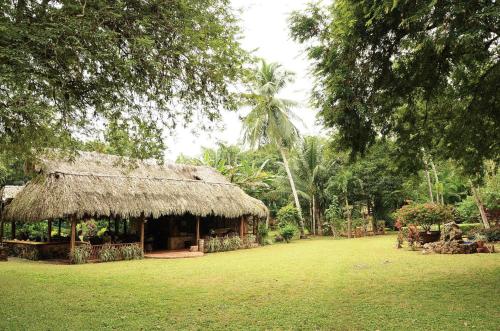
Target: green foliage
288	215
109	253
262	233
424	73
468	211
269	121
224	244
127	65
491	235
334	221
469	228
248	241
80	254
425	214
288	231
131	252
87	229
214	245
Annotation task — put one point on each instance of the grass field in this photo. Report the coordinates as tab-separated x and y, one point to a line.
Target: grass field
310	284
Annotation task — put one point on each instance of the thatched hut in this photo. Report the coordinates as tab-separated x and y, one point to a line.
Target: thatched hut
174	205
7	194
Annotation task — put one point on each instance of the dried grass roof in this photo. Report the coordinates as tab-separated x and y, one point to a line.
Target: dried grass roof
100	185
9	192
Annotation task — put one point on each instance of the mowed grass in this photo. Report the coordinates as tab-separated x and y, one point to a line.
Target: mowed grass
309	284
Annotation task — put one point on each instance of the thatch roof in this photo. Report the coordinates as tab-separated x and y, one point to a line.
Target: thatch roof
9	192
99	185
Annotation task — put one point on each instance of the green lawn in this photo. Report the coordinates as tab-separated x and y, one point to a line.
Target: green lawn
309	284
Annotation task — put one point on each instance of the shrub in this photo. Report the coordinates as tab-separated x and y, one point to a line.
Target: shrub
262	233
235	242
424	214
467	211
288	231
80	254
213	245
248	241
492	234
131	252
109	253
224	244
468	227
288	215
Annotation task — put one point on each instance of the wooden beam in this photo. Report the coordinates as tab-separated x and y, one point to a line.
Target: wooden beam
1	231
72	242
59	228
49	231
13	231
141	229
242	225
197	229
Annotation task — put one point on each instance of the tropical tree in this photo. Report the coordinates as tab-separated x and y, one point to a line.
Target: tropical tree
308	164
69	68
270	117
423	72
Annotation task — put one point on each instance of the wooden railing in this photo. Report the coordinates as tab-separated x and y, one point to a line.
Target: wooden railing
96	249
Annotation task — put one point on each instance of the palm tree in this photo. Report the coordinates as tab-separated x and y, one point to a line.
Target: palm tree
309	167
269	121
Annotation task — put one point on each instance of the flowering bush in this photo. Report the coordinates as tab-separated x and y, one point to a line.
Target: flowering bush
424	214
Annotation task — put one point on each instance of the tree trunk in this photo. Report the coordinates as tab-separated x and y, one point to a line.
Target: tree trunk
480	206
428	180
294	191
349	221
319	221
436	179
313	215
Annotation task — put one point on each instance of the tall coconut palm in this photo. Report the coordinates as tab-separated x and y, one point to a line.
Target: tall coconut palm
309	167
269	120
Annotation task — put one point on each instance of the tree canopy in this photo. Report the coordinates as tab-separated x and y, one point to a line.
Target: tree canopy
426	73
69	68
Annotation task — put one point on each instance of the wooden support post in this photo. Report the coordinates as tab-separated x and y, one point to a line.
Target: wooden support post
59	228
49	231
125	228
197	229
141	230
72	242
117	226
242	225
13	230
1	231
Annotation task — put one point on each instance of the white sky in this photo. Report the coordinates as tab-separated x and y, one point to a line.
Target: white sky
265	31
